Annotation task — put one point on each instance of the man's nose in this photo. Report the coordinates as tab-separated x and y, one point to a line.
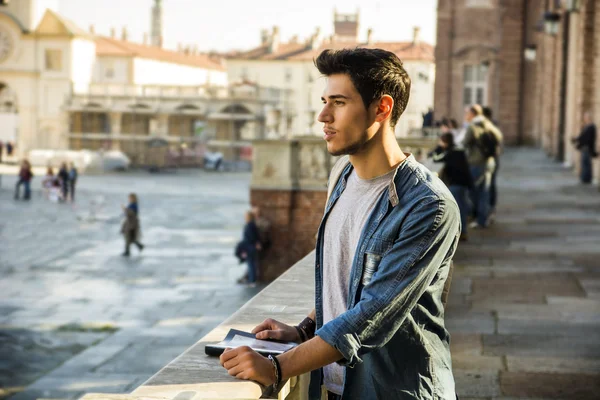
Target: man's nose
325	116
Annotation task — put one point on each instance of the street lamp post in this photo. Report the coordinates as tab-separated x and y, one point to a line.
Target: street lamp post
551	22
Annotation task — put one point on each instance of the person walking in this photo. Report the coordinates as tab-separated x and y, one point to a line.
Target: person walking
63	177
73	175
456	175
25	176
131	228
488	114
383	253
481	145
586	144
251	246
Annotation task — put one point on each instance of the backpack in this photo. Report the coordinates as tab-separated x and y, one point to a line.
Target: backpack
488	144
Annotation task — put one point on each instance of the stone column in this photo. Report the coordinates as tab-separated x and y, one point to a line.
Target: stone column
115	130
289	179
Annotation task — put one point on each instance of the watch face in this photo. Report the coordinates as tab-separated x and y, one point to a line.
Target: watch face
5	44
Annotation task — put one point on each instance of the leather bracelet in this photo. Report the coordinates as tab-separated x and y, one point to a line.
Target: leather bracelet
278	376
309	327
301	334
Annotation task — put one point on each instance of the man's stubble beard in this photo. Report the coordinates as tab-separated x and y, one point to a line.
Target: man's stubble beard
352	148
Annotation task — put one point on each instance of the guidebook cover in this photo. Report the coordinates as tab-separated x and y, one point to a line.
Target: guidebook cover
236	338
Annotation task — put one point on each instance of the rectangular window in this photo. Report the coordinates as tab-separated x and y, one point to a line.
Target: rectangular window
475	84
288	75
53	60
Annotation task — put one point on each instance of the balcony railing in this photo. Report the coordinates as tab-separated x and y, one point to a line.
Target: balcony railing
242	93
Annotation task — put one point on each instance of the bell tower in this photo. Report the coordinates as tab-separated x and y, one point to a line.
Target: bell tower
156	37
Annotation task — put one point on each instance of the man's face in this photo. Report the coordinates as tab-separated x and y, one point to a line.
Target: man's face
587	118
347	125
469	115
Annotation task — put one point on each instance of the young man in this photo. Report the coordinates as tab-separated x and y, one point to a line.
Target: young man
383	254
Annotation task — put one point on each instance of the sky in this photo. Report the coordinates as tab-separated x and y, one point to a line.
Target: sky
236	24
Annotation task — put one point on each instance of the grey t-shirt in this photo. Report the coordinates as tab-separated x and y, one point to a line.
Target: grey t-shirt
342	233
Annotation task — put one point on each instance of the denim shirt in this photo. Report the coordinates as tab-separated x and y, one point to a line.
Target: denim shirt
392	337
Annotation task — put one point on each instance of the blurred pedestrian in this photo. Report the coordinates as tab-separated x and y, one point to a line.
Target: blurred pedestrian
428	118
456	175
1	150
9	149
586	144
481	145
48	181
488	114
73	175
25	176
63	177
264	232
131	228
251	245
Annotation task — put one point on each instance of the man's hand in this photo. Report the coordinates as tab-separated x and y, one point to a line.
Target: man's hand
244	363
271	329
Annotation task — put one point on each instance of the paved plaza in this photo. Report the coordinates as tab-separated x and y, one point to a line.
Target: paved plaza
524	309
77	317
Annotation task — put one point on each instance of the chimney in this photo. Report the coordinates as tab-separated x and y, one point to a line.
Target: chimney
124	34
112	32
294	39
145	39
264	36
416	31
370	36
92	29
274	45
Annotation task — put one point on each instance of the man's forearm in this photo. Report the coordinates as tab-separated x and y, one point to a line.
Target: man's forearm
315	353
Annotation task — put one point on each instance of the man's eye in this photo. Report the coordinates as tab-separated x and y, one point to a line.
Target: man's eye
338	103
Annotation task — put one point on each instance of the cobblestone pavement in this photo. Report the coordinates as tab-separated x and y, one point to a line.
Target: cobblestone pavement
524	311
76	317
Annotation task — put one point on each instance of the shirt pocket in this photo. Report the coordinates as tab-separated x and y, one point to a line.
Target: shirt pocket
372	258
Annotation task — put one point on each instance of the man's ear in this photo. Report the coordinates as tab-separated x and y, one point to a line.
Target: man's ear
384	108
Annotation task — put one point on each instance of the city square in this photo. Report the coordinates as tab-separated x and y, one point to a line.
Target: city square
405	193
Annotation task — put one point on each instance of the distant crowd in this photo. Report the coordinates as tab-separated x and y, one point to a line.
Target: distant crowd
471	157
59	187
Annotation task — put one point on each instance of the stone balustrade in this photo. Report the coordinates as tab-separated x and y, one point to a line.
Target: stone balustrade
194	375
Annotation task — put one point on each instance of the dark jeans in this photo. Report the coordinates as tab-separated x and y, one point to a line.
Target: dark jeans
460	194
480	194
493	190
27	185
252	262
130	238
586	166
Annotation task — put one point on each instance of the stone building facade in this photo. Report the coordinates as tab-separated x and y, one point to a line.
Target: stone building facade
535	63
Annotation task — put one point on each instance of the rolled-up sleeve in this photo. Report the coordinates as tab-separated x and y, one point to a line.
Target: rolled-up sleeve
425	240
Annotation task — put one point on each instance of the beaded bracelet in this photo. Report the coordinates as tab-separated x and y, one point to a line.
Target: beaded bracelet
277	367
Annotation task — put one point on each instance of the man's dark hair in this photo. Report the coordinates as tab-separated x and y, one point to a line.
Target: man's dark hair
453	123
487	112
374	73
448	138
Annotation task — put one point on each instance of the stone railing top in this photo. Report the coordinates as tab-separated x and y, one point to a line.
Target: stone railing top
288	299
303	163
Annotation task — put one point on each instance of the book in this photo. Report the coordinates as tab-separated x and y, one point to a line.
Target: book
236	338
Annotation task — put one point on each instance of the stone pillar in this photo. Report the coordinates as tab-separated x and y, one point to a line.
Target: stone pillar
115	130
289	182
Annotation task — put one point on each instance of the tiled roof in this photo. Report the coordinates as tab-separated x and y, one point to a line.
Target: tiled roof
106	46
302	52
